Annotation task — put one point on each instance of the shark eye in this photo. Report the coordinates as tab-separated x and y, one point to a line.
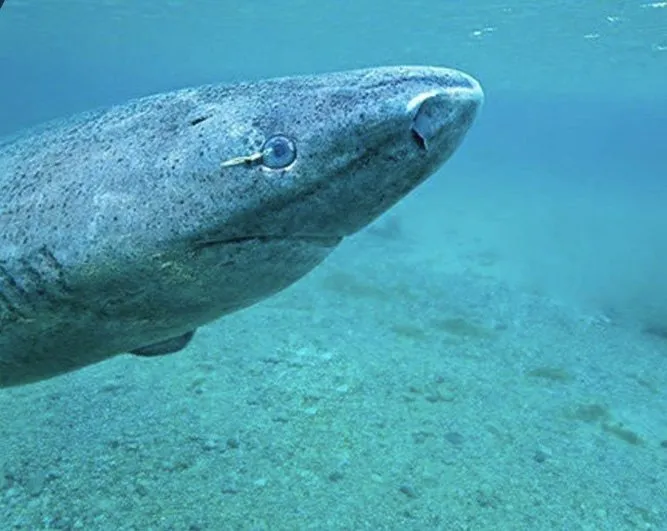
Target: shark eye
278	152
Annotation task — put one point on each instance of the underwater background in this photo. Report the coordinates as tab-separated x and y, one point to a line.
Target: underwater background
490	354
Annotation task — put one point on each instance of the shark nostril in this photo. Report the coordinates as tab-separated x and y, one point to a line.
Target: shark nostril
419	139
430	119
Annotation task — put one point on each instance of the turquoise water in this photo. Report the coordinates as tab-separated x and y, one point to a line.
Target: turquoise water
490	354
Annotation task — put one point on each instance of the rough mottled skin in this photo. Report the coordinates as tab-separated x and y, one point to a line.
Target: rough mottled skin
121	229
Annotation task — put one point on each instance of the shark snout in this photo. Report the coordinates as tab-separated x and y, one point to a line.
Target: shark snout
441	116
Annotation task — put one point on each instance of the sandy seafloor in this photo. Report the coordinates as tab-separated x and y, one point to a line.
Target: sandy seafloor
402	385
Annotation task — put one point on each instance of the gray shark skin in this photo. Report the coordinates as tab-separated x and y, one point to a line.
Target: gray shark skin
123	230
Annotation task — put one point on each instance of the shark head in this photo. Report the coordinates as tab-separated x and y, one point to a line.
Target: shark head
271	176
318	158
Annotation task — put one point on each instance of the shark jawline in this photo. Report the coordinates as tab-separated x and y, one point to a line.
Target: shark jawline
315	239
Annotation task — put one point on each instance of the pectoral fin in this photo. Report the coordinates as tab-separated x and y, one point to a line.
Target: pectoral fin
168	346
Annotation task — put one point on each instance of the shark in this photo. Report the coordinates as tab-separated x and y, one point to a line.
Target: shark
124	229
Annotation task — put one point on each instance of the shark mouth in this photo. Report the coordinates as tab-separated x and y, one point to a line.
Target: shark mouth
314	239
